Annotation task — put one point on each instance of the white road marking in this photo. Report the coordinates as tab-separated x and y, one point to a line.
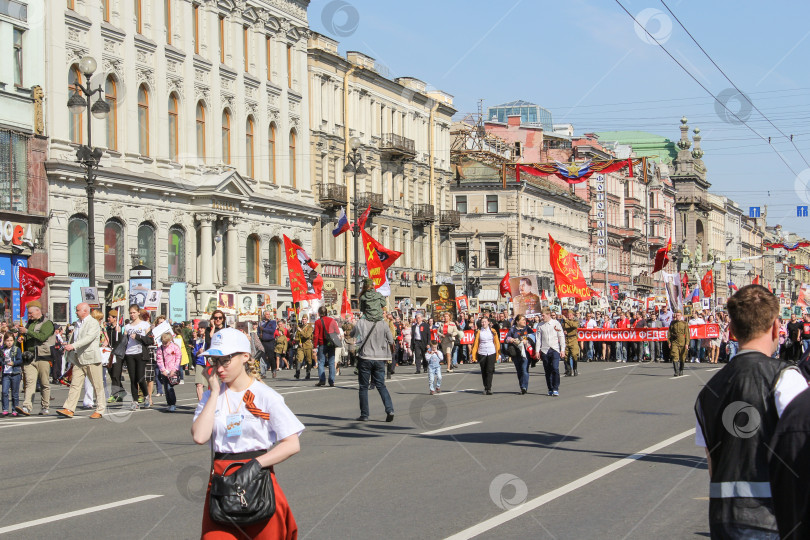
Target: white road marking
618	367
454	392
714	369
448	428
680	376
66	515
603	393
537	502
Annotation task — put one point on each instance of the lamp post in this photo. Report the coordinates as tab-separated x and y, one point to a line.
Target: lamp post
86	154
354	166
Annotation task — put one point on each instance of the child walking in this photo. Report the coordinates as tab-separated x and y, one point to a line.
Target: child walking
12	373
434	358
168	356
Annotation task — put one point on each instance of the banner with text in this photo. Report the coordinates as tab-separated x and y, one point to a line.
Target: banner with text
698	331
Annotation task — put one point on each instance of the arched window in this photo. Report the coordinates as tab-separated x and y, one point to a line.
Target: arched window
226	137
111	96
200	130
77	246
292	158
173	127
114	249
274	258
271	147
249	146
146	245
75	119
143	120
253	259
177	253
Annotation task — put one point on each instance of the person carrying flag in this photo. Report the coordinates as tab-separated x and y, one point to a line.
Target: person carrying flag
678	340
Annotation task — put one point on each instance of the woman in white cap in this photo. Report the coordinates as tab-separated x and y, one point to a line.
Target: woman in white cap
246	421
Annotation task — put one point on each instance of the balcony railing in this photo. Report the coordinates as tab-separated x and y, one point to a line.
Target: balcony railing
449	219
645	282
375	200
397	145
423	214
332	195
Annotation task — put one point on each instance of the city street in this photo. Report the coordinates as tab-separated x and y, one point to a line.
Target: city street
458	464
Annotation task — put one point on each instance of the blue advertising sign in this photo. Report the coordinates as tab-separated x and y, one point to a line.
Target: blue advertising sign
76	296
5	271
177	302
16	263
15	307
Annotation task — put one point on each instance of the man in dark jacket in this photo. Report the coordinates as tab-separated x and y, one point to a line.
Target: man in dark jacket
115	367
323	345
37	338
420	337
267	335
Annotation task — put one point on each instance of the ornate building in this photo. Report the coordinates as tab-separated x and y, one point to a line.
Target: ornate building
204	164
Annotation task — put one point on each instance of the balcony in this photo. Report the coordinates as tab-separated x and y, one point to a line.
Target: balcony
657	241
366	199
632	201
423	214
644	282
397	146
449	219
331	195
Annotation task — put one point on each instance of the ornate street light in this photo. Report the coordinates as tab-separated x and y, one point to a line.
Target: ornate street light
354	166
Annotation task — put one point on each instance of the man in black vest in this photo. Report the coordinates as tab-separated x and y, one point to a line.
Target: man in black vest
267	335
37	338
420	337
737	413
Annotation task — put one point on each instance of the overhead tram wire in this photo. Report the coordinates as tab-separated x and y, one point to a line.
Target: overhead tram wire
704	87
734	85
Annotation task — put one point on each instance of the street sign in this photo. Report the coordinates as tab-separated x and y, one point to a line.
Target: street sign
801	211
753	211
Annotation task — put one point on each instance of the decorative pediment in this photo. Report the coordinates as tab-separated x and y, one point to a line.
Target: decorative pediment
229	184
226	5
272	24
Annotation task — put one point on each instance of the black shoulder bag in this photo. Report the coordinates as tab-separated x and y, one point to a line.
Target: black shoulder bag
244	497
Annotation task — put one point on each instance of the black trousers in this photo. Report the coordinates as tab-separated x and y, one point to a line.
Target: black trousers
270	354
419	356
116	387
487	363
136	368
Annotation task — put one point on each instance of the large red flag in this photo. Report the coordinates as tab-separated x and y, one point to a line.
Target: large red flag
305	283
378	260
707	284
756	281
32	280
568	278
662	256
505	288
346	306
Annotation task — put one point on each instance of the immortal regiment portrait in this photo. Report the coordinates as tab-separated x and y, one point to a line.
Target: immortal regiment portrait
527	298
443	299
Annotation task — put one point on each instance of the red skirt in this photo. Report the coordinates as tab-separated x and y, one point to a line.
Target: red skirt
281	526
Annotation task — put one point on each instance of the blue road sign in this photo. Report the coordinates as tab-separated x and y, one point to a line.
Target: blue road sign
753	211
801	211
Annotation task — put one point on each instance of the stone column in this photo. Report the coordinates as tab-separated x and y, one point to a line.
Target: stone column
233	254
206	255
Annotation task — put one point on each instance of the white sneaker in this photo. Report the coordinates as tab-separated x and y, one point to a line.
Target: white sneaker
182	382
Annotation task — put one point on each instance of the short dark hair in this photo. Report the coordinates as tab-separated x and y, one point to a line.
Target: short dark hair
752	310
322	311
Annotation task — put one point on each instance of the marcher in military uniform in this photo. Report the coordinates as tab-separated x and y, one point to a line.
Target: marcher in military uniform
570	327
304	339
678	339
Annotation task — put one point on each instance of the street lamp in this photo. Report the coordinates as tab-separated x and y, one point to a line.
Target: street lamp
354	166
86	154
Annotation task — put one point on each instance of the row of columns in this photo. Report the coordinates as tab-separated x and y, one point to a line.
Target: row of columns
207	259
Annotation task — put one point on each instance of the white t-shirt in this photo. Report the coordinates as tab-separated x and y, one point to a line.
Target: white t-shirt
590	323
486	342
141	328
7	358
256	434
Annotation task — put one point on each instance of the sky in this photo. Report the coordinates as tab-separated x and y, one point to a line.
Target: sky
591	65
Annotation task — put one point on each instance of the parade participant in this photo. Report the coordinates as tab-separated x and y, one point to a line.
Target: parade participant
590	323
374	342
325	348
349	343
740	503
420	336
794	335
304	353
485	350
281	341
515	348
149	357
407	353
550	340
526	301
115	366
449	332
58	355
622	322
246	422
678	340
570	325
714	344
696	345
134	355
267	335
372	303
215	324
168	361
11	356
89	401
37	338
200	378
85	355
434	360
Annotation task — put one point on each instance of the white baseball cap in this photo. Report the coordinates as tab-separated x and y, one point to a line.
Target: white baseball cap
228	341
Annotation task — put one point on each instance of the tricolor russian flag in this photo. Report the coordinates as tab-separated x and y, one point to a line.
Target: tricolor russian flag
696	294
731	286
342	225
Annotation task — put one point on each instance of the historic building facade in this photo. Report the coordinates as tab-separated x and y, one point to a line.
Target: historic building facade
204	164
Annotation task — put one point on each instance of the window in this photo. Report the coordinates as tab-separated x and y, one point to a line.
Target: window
105	10
167	20
252	259
146	245
461	204
245	47
114	250
461	253
626	189
173	127
77	245
289	66
111	97
271	144
226	137
74	119
177	253
274	256
222	39
200	130
138	18
196	13
269	53
292	158
13	171
493	254
517	148
143	121
548	211
18	57
492	204
626	219
71	4
249	146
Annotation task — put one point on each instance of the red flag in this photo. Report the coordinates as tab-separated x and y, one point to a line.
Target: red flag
662	256
305	283
756	281
505	288
770	289
362	221
378	260
707	284
543	295
346	306
630	168
32	280
568	278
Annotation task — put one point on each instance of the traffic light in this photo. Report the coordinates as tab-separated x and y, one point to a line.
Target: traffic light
473	286
474	261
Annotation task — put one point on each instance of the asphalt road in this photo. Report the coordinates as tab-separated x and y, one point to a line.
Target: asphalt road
612	457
